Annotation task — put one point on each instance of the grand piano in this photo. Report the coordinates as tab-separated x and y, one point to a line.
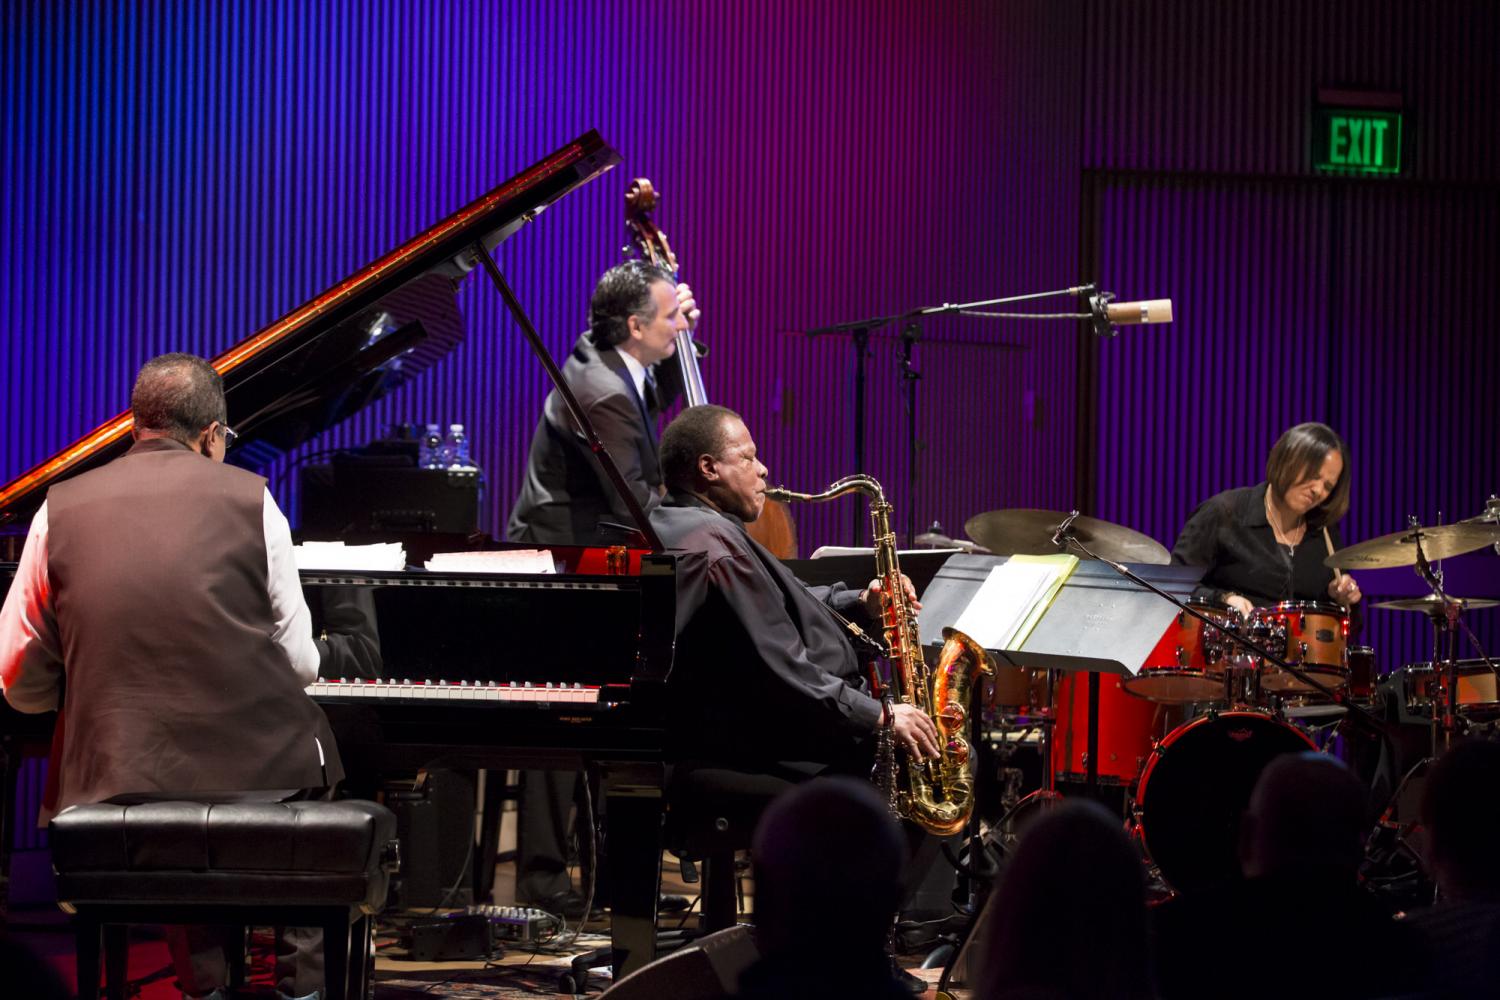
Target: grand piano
564	670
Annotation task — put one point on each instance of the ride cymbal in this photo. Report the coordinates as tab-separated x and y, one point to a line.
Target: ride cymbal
1432	602
1025	531
1400	548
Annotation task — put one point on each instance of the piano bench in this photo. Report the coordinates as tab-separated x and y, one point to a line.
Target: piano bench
712	813
293	864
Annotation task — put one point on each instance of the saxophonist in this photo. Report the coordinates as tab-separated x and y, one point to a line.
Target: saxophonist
767	678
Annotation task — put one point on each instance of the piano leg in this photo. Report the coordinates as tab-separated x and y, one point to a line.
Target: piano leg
633	819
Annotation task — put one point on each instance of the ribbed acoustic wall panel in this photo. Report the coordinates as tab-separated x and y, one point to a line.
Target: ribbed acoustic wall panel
1419	363
1189	409
1180	85
1360	303
177	175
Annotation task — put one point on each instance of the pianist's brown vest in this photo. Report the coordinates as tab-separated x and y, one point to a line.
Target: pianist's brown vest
157	563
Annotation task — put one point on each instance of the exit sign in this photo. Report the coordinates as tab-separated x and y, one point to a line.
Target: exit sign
1356	140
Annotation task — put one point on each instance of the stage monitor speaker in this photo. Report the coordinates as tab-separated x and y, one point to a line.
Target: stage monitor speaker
435	825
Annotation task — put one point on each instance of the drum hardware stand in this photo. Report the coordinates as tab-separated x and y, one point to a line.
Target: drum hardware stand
1065	538
1446	618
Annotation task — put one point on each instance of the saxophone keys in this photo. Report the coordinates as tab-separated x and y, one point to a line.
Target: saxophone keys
952	718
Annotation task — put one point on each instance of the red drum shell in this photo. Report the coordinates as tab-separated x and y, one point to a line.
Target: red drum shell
1315	639
1128	727
1187	664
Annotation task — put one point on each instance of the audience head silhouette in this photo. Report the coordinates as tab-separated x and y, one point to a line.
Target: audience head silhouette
830	839
1461	811
1069	917
1306	816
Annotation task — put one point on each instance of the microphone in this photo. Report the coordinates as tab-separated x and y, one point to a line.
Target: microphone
1062	529
1108	314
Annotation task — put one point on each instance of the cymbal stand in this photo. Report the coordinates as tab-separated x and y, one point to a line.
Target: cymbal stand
1447	618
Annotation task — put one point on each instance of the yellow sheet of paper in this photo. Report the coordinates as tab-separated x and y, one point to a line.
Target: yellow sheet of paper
1064	566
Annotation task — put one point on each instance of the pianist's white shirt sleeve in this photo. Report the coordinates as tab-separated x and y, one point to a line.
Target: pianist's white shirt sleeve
31	663
288	606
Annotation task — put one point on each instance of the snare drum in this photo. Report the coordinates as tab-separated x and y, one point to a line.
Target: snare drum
1476	688
1196	786
1312	637
1187	665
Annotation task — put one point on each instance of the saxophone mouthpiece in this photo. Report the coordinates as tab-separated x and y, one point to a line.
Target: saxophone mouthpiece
780	493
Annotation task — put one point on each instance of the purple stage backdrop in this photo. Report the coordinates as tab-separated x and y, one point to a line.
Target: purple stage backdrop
177	175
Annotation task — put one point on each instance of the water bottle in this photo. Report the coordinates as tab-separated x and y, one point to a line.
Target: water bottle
460	440
455	450
432	441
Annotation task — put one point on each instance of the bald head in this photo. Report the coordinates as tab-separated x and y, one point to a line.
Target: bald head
177	396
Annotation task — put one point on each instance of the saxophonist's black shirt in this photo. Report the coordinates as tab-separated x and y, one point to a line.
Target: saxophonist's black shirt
762	670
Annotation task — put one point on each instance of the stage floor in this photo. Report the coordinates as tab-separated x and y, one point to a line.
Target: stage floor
518	973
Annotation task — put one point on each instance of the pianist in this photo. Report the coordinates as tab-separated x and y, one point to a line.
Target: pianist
162	587
765	674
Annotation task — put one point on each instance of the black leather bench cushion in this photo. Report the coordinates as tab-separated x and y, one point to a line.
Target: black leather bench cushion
301	837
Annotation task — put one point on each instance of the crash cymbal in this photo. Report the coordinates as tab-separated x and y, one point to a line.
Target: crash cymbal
1432	602
1024	531
1400	548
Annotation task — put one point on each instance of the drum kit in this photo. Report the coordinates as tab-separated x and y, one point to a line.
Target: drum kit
1219	696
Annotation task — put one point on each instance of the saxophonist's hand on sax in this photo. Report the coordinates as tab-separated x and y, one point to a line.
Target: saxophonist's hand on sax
870	596
914	731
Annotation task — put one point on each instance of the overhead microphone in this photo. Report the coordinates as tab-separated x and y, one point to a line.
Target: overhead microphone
1057	535
1108	314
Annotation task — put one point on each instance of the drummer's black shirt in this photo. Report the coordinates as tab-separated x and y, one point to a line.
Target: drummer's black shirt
1229	534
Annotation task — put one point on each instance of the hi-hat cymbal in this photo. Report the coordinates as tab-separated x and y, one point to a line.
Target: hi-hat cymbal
1400	548
1024	531
1491	515
938	540
1432	602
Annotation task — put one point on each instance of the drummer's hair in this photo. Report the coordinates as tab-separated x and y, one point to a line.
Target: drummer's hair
1297	455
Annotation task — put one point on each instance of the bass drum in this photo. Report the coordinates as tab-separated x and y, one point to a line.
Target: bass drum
1196	786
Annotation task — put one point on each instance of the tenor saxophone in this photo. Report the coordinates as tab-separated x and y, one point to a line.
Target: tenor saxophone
937	795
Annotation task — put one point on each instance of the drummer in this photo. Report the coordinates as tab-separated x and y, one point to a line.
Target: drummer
1266	543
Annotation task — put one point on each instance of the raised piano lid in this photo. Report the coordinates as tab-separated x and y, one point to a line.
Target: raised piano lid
339	352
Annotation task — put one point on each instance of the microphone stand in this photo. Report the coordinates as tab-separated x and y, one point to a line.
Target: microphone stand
859	331
909	379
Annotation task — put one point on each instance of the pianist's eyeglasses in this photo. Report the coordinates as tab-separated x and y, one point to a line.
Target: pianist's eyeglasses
229	434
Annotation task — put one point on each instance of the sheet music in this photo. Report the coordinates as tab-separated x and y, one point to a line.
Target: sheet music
338	556
1013	599
530	561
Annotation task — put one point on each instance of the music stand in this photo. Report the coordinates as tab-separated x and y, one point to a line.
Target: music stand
854	567
1098	623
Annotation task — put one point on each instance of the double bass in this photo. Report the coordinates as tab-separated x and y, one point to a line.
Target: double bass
774	528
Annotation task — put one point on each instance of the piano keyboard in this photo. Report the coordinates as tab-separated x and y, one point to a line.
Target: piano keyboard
448	692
